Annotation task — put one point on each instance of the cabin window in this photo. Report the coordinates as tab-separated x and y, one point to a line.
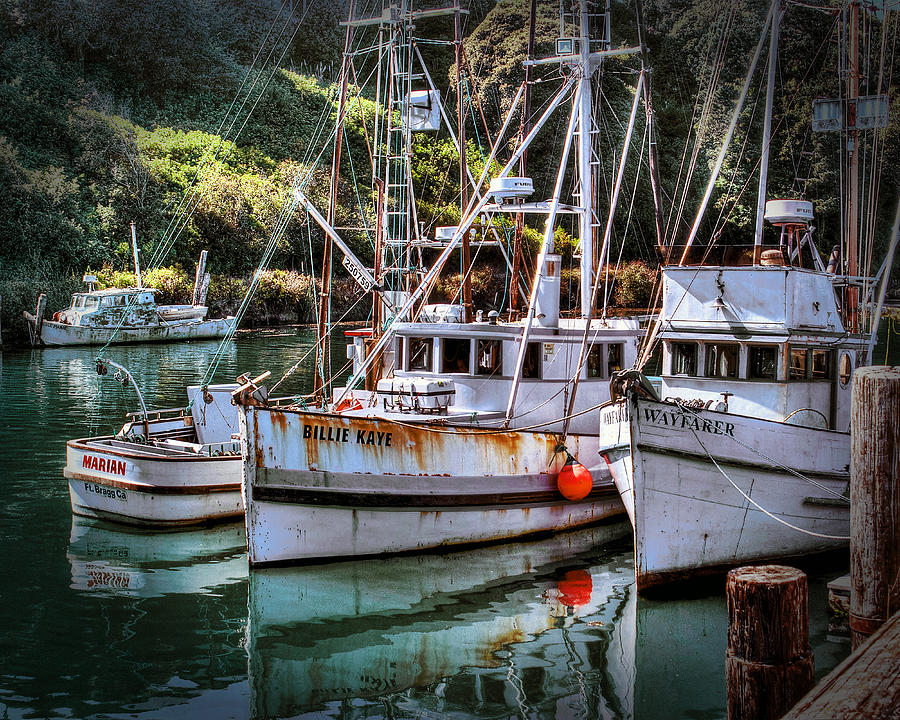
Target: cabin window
811	364
613	358
722	360
77	302
489	360
420	354
90	303
532	366
684	358
762	362
108	301
798	364
845	369
595	361
820	368
455	355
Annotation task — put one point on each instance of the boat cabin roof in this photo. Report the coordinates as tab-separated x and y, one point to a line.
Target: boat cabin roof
116	291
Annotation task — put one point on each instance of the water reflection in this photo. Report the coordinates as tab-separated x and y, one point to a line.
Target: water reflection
106	558
502	629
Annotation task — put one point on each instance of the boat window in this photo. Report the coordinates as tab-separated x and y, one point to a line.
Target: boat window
722	360
762	362
821	364
595	361
798	364
420	354
489	360
90	303
108	301
614	358
684	358
532	366
455	356
845	369
77	301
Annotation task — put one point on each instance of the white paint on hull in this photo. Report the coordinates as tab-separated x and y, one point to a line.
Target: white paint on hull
689	518
55	333
137	488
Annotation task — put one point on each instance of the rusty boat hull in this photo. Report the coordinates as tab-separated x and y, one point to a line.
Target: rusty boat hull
320	486
58	334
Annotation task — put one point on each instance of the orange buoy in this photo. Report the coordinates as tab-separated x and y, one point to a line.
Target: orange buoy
574	480
575	588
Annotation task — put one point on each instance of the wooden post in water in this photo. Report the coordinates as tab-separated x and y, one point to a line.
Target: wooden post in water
769	663
198	297
39	320
874	500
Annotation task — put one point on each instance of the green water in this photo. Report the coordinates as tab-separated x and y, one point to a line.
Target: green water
101	622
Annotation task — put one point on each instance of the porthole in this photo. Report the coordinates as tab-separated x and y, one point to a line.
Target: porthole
845	369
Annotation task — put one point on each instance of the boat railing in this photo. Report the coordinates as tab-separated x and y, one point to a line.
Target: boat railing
155	415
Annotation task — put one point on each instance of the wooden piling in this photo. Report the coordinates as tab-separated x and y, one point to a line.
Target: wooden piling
874	500
39	320
199	278
769	663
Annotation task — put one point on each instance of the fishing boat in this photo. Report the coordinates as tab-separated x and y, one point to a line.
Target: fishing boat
468	428
164	468
741	451
126	315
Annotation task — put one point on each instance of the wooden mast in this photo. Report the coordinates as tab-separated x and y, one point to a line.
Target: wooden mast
323	337
463	170
853	190
518	260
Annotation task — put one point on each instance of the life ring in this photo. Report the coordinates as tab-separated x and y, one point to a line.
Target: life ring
348	403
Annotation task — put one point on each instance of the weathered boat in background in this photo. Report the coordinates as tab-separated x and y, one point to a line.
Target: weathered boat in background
126	315
466	427
164	468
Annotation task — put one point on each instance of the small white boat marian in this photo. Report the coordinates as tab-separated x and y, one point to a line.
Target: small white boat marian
164	468
741	452
463	431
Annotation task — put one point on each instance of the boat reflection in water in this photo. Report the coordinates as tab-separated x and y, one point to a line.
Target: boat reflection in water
119	560
440	633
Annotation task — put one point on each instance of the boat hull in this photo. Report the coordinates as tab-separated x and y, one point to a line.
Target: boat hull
709	490
137	488
56	333
322	486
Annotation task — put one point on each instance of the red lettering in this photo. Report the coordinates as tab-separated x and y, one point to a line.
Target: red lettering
117	467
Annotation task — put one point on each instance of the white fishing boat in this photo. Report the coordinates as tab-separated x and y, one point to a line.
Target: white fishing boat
126	315
741	452
164	468
464	429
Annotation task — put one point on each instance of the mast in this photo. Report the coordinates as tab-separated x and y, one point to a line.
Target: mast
323	337
523	131
853	148
651	123
137	262
767	134
584	164
463	170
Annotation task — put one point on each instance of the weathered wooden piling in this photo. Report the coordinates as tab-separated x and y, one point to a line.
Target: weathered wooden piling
199	295
39	319
874	500
769	663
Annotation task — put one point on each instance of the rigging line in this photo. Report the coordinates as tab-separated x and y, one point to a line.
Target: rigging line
782	466
760	507
207	161
168	243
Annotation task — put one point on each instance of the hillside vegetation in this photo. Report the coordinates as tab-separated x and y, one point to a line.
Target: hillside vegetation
108	109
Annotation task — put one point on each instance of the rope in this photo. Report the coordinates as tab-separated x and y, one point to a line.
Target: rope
782	466
760	507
